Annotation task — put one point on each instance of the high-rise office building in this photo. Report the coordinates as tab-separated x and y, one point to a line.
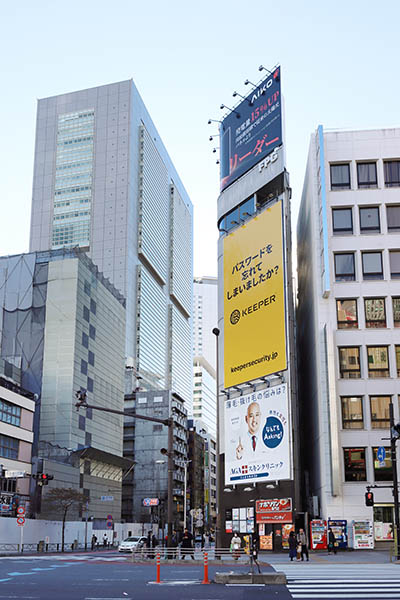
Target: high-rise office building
62	325
103	181
205	317
349	323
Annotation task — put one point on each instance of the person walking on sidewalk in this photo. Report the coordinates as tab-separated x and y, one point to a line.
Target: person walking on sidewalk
292	545
302	539
187	544
236	543
332	544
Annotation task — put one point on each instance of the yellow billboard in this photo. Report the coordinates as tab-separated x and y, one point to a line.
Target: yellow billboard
254	299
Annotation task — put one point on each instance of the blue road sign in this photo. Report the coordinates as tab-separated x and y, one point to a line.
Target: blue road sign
381	454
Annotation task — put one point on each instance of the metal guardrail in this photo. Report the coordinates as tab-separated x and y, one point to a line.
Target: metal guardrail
178	553
42	547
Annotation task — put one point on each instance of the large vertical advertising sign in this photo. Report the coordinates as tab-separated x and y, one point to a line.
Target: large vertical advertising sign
252	131
254	299
257	437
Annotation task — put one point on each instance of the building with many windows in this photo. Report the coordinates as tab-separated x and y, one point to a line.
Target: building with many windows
103	181
349	321
204	393
205	317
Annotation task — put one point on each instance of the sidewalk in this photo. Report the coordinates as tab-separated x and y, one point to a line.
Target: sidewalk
342	557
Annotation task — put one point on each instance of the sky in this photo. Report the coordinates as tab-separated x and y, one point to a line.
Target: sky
339	68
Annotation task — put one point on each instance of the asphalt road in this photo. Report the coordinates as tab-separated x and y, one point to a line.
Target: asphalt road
113	577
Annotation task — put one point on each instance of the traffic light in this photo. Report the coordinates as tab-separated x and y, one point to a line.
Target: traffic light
369	499
44	478
2	471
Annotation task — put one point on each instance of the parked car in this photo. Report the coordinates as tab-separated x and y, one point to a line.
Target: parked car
132	543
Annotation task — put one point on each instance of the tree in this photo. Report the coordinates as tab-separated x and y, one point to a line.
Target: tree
63	499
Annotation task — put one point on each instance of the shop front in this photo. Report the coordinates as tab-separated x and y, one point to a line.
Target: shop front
383	522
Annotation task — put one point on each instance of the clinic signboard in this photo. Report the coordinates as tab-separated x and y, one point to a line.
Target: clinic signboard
253	130
254	299
257	436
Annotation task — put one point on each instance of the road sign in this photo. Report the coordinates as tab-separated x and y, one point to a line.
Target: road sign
151	501
381	454
21	521
109	517
107	498
21	511
14	474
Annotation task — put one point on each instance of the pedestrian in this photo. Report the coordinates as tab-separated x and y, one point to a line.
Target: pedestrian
151	543
174	543
187	544
302	540
105	541
292	545
332	543
94	541
236	543
206	540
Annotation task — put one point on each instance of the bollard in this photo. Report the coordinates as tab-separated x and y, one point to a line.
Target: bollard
158	569
205	580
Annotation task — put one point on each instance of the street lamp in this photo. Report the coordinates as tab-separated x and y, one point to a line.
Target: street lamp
394	437
218	533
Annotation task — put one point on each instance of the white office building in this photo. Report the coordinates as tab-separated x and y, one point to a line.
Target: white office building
205	317
103	181
349	321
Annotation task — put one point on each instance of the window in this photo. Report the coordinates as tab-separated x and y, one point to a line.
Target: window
344	267
397	348
392	173
340	177
93	306
383	469
91	358
92	332
83	366
378	361
372	265
352	412
90	384
375	315
354	464
8	447
393	218
366	175
342	220
380	412
85	340
394	258
82	422
349	363
346	311
396	311
10	413
86	287
86	315
369	220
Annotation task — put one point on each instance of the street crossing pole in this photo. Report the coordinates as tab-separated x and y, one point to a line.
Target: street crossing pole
393	439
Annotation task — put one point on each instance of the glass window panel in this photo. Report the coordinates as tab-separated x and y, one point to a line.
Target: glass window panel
375	315
340	177
366	175
349	363
392	173
393	218
344	267
394	257
380	412
346	311
378	361
342	220
9	447
369	219
396	311
352	412
383	469
398	360
372	265
10	413
354	464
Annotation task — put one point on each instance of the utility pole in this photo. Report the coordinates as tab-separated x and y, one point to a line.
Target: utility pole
218	532
82	403
394	436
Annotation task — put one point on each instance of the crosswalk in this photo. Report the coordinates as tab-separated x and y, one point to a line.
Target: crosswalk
358	581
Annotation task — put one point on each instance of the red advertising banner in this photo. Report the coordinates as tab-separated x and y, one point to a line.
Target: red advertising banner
277	510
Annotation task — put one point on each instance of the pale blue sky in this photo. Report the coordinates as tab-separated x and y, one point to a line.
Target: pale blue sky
340	67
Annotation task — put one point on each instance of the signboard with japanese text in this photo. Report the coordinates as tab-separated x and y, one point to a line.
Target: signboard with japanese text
252	131
254	299
278	510
151	501
257	445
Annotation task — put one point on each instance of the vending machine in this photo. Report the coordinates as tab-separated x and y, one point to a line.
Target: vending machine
339	528
363	535
318	535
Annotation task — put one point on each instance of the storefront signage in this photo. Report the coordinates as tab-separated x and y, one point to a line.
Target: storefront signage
278	510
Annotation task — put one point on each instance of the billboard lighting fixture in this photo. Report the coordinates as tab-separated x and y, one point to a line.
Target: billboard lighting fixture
217	162
213	136
248	489
247	82
224	391
231	109
262	68
215	149
243	98
213	121
223	231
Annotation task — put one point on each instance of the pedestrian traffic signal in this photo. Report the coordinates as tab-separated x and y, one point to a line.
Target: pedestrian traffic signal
369	499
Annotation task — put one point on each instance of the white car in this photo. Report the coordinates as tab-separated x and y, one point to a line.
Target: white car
132	543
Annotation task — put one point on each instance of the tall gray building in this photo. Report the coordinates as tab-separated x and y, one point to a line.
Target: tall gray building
103	181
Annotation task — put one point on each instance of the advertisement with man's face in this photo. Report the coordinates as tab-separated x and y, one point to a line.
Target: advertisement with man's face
257	445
